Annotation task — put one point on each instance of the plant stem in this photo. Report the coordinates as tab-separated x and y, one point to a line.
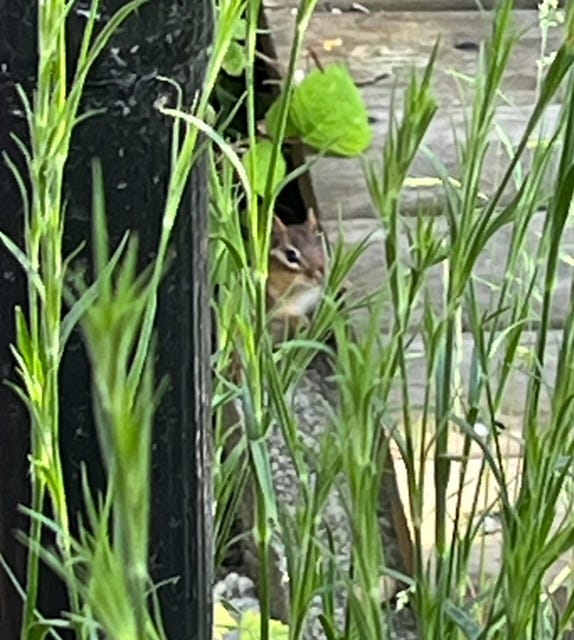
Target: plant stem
33	564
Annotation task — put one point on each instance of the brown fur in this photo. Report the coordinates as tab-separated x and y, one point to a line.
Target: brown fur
294	288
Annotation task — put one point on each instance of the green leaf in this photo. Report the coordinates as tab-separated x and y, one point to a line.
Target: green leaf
251	623
24	340
38	631
25	263
328	628
462	619
272	121
89	296
329	114
240	29
235	60
261	154
223	621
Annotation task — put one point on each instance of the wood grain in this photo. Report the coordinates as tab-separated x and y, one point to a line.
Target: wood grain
394	42
381	50
340	187
400	5
513	401
370	271
381	47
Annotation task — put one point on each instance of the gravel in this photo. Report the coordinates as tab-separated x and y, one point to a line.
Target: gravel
238	589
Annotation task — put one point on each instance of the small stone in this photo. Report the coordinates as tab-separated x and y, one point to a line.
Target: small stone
245	586
231	583
491	524
481	430
245	604
219	591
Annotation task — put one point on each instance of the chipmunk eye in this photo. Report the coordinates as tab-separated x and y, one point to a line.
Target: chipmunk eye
292	255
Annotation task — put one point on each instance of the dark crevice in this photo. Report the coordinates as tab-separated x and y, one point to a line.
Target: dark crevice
292	202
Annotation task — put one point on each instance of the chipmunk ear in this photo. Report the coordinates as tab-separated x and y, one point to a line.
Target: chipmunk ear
312	220
279	229
278	225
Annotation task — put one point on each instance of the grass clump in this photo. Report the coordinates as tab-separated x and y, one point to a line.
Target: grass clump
373	370
107	579
256	380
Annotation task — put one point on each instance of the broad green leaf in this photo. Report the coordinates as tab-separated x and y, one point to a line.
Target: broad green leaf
329	114
223	621
240	29
235	60
272	122
262	153
250	625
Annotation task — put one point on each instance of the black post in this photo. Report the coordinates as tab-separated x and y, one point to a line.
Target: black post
169	38
17	65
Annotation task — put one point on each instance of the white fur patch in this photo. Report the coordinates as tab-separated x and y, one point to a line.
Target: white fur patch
303	302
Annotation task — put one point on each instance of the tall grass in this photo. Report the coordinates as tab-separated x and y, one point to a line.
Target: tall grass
41	337
107	578
370	368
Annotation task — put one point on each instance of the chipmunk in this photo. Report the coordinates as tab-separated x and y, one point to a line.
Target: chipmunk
295	280
296	276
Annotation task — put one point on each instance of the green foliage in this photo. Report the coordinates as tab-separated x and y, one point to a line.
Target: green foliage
124	408
250	625
327	113
235	60
107	582
272	121
107	576
260	156
52	115
369	366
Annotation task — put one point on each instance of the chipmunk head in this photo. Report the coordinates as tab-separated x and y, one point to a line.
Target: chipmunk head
299	249
297	264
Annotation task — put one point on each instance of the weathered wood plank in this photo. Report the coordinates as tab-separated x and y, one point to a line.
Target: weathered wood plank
339	183
370	271
511	447
380	50
512	405
399	5
383	47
